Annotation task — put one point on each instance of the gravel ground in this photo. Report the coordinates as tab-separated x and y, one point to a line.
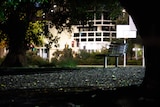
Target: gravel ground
99	78
78	87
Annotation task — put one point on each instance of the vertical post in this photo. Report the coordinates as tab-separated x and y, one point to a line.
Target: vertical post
116	61
124	55
143	58
105	61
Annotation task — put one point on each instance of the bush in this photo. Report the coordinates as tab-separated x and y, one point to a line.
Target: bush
88	58
34	60
67	63
134	62
64	58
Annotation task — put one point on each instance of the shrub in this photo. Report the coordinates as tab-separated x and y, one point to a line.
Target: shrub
134	62
64	58
36	61
67	63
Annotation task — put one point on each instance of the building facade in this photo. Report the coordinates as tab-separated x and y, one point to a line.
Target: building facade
95	37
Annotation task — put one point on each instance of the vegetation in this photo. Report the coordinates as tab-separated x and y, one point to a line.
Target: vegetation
64	58
67	59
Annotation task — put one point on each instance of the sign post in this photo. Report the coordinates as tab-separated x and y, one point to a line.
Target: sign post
125	32
124	56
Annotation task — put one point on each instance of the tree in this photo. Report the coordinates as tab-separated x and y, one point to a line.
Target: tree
146	19
15	16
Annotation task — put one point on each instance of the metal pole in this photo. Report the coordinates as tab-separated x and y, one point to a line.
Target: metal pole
124	56
105	61
143	58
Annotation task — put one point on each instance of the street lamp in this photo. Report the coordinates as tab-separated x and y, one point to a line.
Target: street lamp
136	50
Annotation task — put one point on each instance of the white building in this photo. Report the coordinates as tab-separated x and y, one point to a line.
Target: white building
96	37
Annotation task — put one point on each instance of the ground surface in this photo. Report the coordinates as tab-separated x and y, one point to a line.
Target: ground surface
79	87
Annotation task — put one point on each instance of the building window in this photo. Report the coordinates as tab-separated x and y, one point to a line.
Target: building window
83	39
105	22
83	34
98	34
94	28
105	28
76	34
85	29
90	28
77	40
113	28
98	39
90	23
90	34
113	34
99	22
114	23
105	39
106	34
90	39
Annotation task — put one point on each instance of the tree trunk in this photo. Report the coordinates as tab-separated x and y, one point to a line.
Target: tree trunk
14	60
147	24
151	82
16	30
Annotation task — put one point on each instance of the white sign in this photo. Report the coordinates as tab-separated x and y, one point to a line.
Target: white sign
123	31
127	31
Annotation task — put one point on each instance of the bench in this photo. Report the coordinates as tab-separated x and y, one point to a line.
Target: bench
115	50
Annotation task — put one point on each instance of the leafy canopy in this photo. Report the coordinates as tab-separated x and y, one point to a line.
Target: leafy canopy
62	13
58	11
